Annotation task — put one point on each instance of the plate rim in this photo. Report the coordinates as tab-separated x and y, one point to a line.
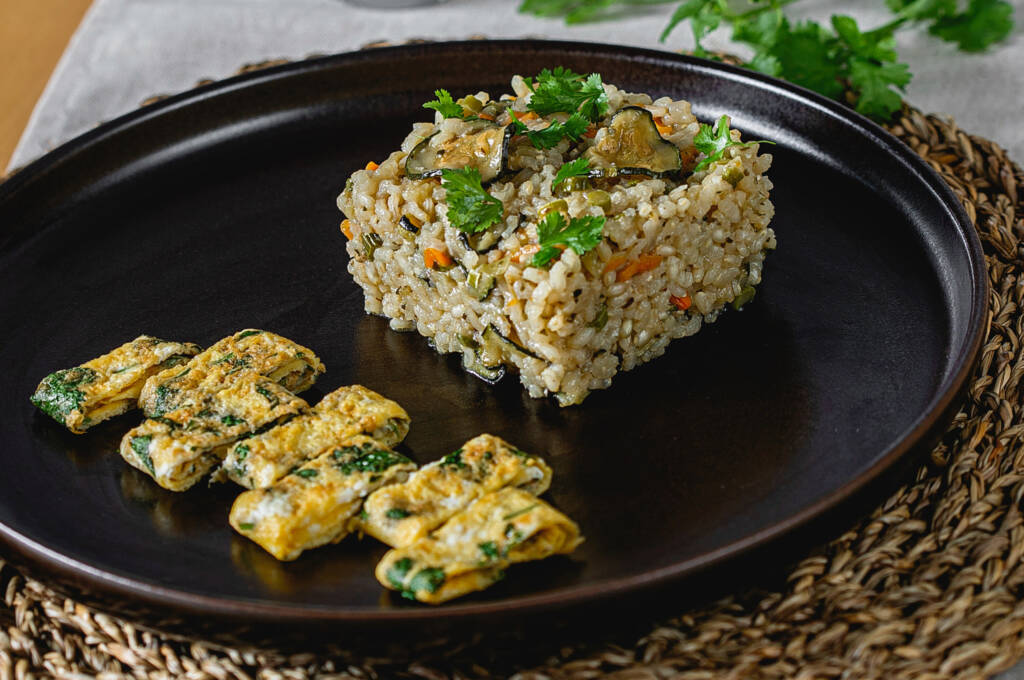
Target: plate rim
930	416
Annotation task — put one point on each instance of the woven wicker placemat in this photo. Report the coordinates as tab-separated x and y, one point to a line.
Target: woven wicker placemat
929	586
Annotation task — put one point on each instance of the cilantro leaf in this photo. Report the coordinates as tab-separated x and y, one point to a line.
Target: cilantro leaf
983	23
713	141
444	104
545	138
704	15
470	208
576	168
561	90
807	57
874	83
580	233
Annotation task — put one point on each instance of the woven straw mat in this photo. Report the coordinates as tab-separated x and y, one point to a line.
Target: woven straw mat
929	586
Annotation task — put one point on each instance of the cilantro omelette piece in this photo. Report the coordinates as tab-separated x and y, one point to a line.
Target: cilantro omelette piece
403	513
249	351
340	415
473	549
314	505
181	446
109	385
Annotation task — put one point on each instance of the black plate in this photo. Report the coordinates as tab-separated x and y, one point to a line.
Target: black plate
215	210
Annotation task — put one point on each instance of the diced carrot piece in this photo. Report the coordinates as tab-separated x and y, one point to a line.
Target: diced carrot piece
644	263
591	131
683	303
663	129
529	115
614	264
346	229
371	166
433	256
485	116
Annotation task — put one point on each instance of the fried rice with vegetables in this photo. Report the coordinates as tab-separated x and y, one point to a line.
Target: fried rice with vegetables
566	232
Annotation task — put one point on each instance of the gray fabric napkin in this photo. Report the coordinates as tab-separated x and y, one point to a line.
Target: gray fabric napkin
127	50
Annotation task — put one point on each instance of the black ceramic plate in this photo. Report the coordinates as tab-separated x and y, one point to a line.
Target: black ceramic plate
215	210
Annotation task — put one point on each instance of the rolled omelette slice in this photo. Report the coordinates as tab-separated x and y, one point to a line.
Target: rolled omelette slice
315	504
178	448
403	513
472	550
109	385
340	415
249	351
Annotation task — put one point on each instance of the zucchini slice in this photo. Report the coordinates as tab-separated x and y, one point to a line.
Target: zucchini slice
484	147
631	145
494	343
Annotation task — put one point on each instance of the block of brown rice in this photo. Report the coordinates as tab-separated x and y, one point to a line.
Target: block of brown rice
681	239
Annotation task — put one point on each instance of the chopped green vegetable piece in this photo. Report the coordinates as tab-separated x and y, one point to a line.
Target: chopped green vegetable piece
246	334
489	550
521	512
306	473
246	526
429	579
398	571
241	452
580	233
397	513
140	445
232	420
470	208
745	296
444	104
601	318
269	396
354	459
371	242
58	395
454	459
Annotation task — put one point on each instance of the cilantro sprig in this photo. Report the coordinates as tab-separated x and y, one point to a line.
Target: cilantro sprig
830	58
562	91
545	138
577	168
444	104
470	207
579	233
713	141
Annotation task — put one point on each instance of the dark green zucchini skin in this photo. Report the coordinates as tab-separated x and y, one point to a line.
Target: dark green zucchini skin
406	223
419	164
664	160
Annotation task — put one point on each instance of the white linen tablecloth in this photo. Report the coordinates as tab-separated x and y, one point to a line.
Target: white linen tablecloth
128	50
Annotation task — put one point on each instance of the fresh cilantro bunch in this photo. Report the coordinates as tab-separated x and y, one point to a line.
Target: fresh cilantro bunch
713	141
579	233
829	59
470	208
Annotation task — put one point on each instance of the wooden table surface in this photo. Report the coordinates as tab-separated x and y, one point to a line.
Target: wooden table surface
33	35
